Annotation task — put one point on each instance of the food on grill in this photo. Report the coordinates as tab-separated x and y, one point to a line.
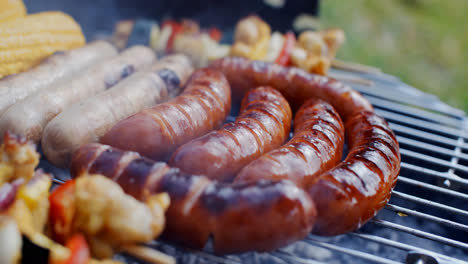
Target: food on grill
90	119
10	240
367	175
77	212
156	132
251	38
262	125
295	84
250	216
107	217
26	41
313	51
58	67
30	116
186	37
11	10
316	146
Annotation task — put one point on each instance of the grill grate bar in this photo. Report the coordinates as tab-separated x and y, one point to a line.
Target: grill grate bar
433	160
442	119
425	216
431	187
434	173
430	147
293	259
421	99
403	246
425	135
444	207
420	233
418	122
351	252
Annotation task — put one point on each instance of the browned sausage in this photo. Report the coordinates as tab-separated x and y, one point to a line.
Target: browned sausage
262	125
295	84
351	193
316	146
257	216
354	191
156	132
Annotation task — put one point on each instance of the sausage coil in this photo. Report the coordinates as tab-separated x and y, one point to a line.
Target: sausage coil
262	125
316	146
352	192
257	216
156	132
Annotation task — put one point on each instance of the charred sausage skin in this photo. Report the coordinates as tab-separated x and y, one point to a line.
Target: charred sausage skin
156	132
351	193
316	146
262	125
239	217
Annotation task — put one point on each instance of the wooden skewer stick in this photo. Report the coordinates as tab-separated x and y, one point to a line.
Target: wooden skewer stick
149	254
353	66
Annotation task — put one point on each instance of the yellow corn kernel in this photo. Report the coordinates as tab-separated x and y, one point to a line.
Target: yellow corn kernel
11	9
24	42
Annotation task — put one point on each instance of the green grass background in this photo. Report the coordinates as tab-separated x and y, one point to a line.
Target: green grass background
424	42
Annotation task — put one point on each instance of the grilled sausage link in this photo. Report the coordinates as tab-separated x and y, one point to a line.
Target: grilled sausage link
257	216
352	192
58	67
90	119
316	146
262	125
156	132
30	116
355	190
295	84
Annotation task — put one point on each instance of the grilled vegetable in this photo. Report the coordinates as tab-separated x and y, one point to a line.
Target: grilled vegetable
11	10
288	46
79	251
62	210
25	42
10	240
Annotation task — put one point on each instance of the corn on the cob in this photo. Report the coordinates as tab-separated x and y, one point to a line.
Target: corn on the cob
11	9
26	41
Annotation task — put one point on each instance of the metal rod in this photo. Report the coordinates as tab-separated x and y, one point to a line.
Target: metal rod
351	252
422	134
437	174
438	161
404	246
419	123
434	188
293	259
429	217
431	147
402	108
420	233
444	207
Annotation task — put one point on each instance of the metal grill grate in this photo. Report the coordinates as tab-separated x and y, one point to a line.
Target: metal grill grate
426	220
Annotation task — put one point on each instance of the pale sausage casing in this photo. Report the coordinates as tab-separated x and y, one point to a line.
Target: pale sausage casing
30	116
60	66
90	119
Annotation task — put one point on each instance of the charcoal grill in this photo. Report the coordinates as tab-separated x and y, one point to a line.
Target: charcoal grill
426	220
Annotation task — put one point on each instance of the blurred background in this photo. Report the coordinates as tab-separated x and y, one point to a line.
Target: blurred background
424	42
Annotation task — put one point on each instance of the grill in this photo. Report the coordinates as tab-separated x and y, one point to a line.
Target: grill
426	220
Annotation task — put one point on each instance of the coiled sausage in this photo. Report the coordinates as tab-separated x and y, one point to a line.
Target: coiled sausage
262	125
